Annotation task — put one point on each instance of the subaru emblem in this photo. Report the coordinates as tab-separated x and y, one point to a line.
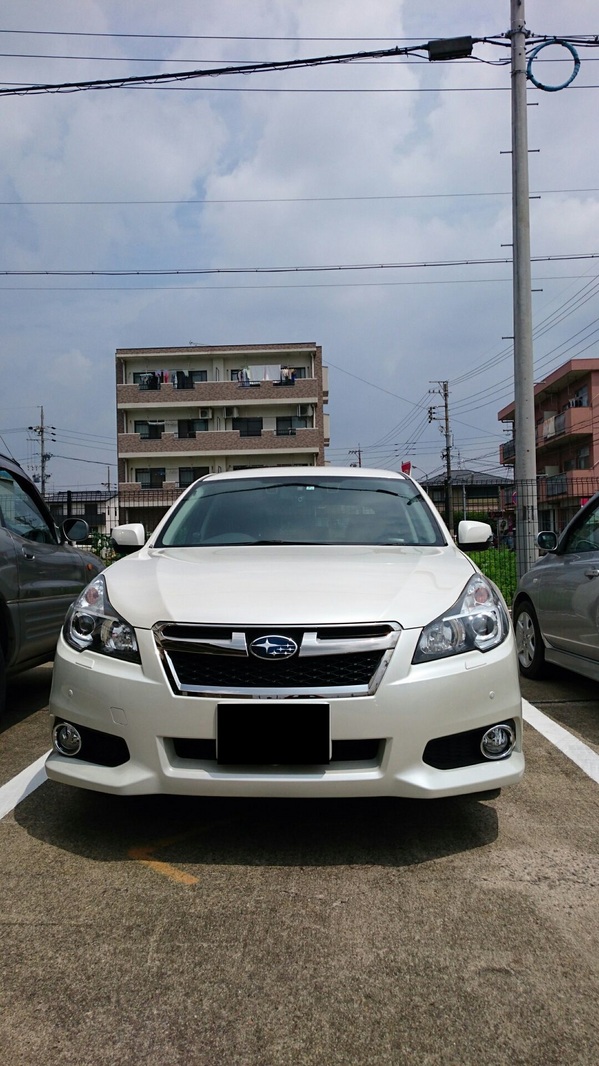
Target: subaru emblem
273	647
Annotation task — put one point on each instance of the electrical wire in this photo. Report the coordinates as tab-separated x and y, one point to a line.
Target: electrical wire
314	268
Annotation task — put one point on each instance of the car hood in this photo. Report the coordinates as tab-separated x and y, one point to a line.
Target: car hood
287	584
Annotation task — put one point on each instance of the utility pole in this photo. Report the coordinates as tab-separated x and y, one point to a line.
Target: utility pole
41	432
444	390
525	467
358	452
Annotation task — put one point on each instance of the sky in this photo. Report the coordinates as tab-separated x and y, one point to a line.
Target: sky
392	164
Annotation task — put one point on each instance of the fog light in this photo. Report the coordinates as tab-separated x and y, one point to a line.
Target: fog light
498	741
66	739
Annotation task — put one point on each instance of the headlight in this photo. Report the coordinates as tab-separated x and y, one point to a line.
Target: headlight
477	622
92	624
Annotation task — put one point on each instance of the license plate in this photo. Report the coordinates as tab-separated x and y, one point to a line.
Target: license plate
273	733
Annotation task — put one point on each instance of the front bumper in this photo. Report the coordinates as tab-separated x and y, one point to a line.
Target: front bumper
412	706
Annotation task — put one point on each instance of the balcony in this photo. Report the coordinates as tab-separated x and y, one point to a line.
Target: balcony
217	442
507	453
219	393
573	484
570	424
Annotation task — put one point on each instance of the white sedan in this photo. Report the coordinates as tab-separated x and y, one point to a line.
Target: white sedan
298	631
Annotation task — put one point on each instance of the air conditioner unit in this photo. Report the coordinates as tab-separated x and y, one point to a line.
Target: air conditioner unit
231	412
304	410
205	412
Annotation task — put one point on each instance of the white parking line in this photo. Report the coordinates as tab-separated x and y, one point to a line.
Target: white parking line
573	749
27	781
588	760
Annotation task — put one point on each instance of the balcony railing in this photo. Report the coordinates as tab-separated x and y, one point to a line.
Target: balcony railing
507	452
575	484
215	393
574	422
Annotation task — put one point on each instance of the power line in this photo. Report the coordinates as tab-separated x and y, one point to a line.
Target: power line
196	37
186	75
323	267
277	65
284	199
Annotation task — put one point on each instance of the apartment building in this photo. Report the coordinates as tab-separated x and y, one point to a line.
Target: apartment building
567	440
188	411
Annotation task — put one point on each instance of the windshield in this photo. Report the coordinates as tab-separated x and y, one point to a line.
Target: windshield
302	510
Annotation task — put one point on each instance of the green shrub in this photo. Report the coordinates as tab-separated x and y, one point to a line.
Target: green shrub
499	564
101	545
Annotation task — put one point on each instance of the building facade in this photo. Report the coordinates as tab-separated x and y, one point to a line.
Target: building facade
99	507
188	411
566	442
476	495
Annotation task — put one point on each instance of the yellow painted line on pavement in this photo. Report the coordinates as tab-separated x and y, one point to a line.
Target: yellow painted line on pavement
144	855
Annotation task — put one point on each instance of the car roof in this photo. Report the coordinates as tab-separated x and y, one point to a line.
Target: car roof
11	464
14	467
307	472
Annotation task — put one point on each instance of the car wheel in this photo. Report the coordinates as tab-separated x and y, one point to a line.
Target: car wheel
529	642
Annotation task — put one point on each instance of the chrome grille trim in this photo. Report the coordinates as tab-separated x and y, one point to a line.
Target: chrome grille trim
356	648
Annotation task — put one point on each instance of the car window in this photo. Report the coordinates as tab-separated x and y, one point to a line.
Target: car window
19	512
302	510
585	537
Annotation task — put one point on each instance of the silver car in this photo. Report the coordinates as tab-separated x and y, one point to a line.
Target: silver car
556	607
41	573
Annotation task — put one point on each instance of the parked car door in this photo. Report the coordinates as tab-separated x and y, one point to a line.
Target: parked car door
49	575
567	598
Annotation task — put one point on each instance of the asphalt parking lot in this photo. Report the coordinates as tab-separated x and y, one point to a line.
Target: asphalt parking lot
170	931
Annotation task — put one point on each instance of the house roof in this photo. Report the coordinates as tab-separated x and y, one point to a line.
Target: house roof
463	476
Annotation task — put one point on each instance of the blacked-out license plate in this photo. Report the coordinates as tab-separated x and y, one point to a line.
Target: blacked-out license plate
267	733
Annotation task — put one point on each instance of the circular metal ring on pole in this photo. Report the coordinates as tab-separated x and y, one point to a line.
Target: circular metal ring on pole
552	88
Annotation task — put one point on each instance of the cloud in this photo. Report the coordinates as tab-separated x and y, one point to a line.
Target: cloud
367	163
72	369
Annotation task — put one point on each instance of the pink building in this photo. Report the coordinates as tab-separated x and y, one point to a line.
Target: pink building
567	440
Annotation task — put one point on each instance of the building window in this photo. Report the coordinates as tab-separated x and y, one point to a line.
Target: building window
149	430
182	380
151	477
287	426
583	458
189	474
248	427
188	427
147	381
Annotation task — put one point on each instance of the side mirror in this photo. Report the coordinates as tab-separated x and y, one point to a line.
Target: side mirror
474	536
129	538
547	540
75	530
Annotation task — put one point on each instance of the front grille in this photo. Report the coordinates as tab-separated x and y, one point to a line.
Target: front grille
223	671
342	750
330	661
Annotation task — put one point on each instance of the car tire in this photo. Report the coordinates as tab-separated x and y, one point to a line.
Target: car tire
529	642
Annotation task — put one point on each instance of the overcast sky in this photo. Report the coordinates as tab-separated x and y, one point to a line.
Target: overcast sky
395	161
